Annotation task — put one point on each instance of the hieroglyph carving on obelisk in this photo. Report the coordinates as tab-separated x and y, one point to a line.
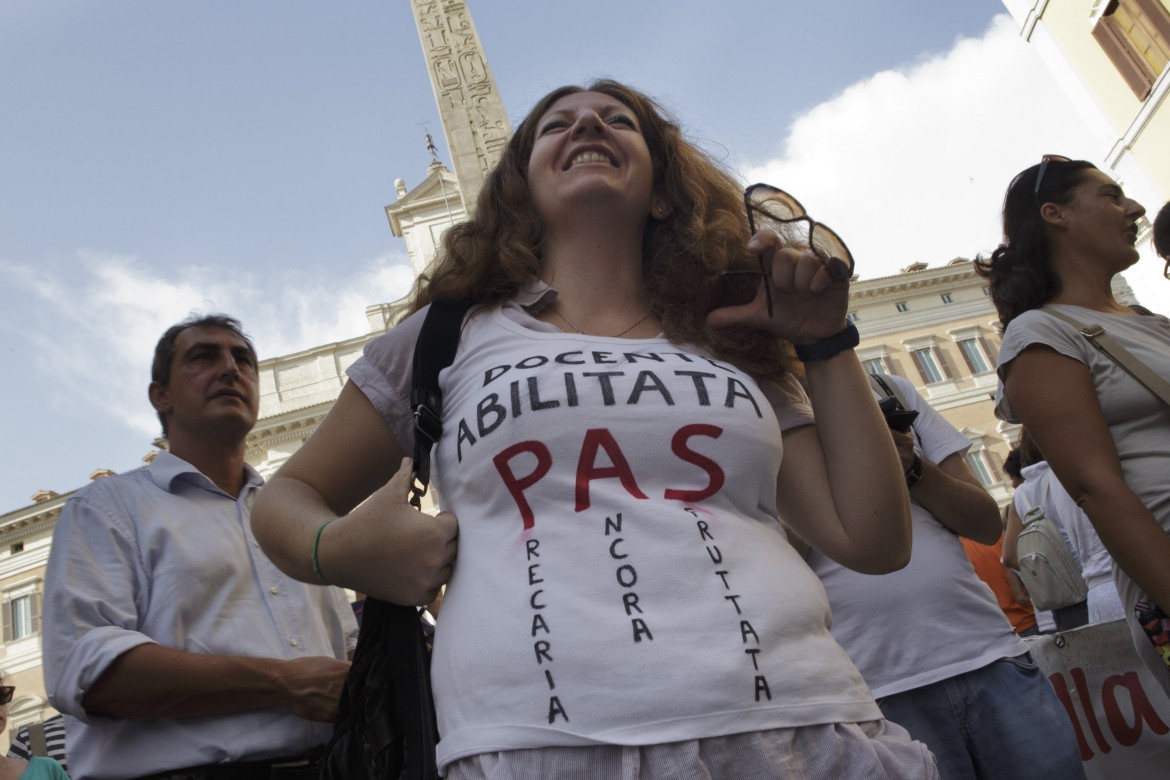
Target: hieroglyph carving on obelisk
470	107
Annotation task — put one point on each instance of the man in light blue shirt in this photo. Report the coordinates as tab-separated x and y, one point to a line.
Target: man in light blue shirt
172	643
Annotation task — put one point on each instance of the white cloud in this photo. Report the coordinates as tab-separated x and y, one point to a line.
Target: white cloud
912	165
92	331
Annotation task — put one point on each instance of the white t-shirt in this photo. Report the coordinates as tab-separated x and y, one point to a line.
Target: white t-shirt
622	577
933	619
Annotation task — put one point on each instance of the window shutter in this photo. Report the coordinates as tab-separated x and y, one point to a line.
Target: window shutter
6	608
1134	74
944	362
1158	16
35	609
966	358
922	372
992	357
997	472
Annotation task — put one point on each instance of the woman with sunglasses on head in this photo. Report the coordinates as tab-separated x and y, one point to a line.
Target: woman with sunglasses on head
35	768
620	434
1068	230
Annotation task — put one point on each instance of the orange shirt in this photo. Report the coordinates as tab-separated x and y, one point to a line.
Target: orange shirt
988	562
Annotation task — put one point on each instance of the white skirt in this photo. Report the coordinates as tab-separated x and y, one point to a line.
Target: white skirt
874	750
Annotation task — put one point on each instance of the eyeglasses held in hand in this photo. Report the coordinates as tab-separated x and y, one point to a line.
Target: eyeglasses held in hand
770	208
1044	169
6	692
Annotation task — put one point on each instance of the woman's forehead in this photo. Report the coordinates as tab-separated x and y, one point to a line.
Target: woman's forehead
597	101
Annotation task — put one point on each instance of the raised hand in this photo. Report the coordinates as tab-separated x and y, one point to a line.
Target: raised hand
808	303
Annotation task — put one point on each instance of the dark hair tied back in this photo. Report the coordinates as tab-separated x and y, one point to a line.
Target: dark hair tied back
1020	274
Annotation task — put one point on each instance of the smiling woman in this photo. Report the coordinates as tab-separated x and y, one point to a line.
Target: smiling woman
620	447
1068	230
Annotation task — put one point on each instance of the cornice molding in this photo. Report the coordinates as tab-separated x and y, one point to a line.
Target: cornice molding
280	429
1032	19
876	290
36	525
313	352
1141	119
34	513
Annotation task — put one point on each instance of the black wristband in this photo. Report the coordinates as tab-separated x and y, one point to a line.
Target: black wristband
914	473
824	349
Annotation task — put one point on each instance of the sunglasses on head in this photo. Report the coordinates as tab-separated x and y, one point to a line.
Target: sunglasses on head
1044	169
6	692
771	208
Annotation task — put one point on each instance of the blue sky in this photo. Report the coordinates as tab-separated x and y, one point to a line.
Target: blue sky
164	157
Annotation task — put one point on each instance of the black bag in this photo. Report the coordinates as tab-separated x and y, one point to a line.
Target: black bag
385	728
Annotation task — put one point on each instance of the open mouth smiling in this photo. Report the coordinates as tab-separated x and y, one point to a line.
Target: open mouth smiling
585	157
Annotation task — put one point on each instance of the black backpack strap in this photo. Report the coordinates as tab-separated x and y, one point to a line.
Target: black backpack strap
881	384
434	351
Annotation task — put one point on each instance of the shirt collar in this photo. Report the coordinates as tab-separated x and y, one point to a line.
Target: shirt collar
165	468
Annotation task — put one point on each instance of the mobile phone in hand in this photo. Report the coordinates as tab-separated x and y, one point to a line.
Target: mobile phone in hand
897	418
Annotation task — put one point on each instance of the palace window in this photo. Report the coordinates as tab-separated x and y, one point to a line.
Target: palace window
977	352
876	359
946	298
1135	35
976	355
903	306
981	465
928	364
21	614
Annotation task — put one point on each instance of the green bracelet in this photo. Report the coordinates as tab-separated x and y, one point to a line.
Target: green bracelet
316	563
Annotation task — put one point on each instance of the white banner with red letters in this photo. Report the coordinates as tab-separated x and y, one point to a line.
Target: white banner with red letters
1120	714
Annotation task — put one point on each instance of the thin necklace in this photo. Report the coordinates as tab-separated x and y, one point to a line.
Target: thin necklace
642	319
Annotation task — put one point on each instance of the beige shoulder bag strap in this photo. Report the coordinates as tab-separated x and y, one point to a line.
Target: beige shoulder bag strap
1113	350
36	740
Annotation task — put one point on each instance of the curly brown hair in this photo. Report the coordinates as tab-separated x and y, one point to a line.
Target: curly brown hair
488	258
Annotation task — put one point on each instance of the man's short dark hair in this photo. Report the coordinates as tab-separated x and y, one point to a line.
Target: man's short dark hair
164	351
1162	232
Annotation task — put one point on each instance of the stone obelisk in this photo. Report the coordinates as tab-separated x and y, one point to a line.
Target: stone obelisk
470	108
